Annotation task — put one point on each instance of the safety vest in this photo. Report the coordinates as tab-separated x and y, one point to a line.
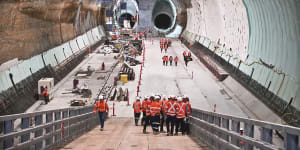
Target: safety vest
144	105
45	92
166	58
189	54
184	53
148	107
180	110
166	46
176	59
188	108
155	109
170	108
101	106
171	58
137	107
161	46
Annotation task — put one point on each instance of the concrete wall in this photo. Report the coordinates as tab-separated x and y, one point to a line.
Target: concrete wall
266	31
56	62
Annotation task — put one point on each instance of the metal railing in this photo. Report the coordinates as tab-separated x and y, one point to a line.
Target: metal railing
223	132
45	129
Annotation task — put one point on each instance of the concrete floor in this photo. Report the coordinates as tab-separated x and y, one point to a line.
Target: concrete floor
121	134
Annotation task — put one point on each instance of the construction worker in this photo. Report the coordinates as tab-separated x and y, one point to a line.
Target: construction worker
162	104
161	48
155	115
184	53
137	106
171	115
46	95
144	107
176	61
180	115
188	108
102	108
164	60
166	47
171	60
148	114
169	42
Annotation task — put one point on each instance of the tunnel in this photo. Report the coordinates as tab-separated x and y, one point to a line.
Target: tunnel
126	16
163	16
162	21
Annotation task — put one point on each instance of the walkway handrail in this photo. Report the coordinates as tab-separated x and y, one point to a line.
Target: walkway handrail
45	129
223	131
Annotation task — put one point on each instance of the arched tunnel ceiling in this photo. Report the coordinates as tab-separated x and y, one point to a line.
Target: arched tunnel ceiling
267	31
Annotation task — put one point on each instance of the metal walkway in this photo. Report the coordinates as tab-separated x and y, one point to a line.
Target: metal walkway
122	134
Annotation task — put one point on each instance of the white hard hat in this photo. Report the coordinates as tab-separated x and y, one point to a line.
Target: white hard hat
179	99
101	97
156	97
138	98
146	97
241	129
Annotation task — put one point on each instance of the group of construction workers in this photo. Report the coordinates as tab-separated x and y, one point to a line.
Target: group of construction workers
157	110
187	57
167	59
165	44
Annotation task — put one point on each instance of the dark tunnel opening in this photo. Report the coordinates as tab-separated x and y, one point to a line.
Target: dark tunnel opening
126	16
162	21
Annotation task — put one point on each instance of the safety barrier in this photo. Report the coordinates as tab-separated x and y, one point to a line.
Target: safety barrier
45	129
224	132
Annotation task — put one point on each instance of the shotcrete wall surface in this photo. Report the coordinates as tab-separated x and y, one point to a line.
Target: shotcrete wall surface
28	28
263	37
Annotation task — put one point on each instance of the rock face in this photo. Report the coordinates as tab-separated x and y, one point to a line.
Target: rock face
30	28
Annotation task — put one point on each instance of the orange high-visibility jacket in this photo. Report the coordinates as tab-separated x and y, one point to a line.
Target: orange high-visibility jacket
184	53
171	58
45	92
163	105
189	54
170	108
155	108
161	41
144	105
166	58
161	46
101	106
137	107
166	46
180	110
176	59
149	102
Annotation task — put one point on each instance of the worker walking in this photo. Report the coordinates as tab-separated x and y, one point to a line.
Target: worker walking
144	107
166	60
137	106
171	115
102	108
148	114
188	110
155	115
180	115
171	60
166	47
176	61
46	95
162	104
